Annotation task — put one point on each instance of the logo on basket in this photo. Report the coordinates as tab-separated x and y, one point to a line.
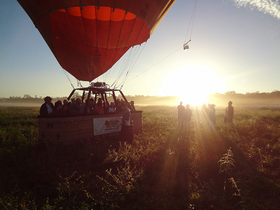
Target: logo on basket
111	122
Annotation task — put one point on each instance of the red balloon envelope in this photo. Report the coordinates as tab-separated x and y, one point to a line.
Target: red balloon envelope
87	37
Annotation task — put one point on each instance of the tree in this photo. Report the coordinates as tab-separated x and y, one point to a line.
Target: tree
230	92
27	96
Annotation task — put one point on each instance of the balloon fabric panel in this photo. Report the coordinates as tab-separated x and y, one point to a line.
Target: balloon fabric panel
88	37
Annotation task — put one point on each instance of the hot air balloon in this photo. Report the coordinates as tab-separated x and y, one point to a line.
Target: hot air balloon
88	37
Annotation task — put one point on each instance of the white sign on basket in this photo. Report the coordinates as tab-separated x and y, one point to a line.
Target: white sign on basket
106	125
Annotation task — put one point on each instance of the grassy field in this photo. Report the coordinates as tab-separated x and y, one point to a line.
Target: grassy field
231	166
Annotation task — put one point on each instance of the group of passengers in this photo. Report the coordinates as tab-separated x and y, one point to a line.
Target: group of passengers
206	114
76	107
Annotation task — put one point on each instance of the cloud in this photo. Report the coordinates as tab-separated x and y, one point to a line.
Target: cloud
271	7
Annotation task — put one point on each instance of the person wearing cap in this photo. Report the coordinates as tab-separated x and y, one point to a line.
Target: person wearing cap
47	107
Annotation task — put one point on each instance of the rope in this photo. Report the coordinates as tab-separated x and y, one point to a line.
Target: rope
68	78
133	62
122	71
109	72
155	64
119	74
194	9
191	22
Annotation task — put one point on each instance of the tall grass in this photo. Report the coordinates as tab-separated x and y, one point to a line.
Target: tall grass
229	166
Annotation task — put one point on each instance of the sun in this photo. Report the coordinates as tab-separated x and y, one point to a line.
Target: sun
192	84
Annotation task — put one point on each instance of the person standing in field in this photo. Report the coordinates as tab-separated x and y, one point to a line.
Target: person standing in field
126	121
127	126
229	112
187	117
132	106
181	110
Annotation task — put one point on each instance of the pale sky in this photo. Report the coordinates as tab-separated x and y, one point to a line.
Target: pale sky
235	46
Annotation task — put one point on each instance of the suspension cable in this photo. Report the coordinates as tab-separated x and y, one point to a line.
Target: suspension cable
190	27
68	77
133	64
118	75
154	64
122	70
191	24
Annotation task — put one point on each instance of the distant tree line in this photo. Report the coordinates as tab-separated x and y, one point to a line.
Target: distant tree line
137	98
254	98
216	98
257	94
27	99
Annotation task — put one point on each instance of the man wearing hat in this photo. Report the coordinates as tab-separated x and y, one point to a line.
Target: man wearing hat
47	107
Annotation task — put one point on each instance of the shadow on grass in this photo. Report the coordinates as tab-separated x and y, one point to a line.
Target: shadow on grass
58	175
187	175
184	175
164	183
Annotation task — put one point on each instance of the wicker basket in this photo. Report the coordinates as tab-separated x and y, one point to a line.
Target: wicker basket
76	128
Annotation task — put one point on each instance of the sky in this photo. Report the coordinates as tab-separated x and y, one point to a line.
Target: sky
235	46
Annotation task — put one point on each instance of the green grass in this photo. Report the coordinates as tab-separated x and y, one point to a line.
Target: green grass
234	166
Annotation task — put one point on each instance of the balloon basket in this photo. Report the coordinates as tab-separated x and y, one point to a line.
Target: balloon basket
86	127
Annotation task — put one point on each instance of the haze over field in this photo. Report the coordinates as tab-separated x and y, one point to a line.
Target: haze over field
234	46
220	100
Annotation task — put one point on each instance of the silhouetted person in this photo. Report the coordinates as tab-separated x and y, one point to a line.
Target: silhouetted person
107	105
72	107
127	127
58	111
89	106
181	110
132	106
229	113
118	105
65	106
111	108
79	106
47	107
126	114
99	107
